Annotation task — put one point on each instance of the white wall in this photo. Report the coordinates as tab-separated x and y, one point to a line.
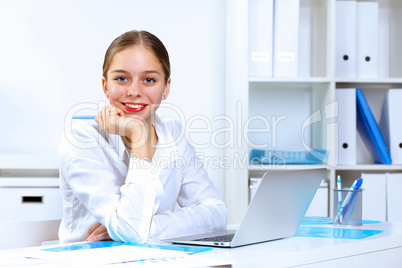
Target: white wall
51	55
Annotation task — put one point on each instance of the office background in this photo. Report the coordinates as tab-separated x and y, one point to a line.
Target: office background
51	56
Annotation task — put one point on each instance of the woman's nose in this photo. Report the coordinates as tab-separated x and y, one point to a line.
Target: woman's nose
133	92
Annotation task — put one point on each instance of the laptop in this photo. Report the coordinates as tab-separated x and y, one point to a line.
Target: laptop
275	212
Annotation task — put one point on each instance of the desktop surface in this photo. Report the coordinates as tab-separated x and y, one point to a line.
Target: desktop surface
374	251
380	250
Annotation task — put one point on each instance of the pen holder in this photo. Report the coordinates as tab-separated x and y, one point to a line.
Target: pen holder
348	207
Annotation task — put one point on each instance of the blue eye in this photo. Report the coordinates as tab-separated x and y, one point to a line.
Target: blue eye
121	79
149	80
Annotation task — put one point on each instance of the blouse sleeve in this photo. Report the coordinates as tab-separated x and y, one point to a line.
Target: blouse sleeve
201	207
126	211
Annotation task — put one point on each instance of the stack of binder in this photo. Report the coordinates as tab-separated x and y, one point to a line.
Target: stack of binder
356	39
273	38
382	199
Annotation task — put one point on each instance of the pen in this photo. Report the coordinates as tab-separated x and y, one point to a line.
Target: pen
351	207
84	117
339	186
346	203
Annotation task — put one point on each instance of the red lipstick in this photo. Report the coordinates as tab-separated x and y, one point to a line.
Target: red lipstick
135	107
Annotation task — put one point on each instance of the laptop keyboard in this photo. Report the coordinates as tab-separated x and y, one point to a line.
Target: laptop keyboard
219	238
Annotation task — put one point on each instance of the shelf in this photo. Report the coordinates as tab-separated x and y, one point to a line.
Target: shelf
51	182
284	167
343	167
389	82
370	167
379	80
28	161
311	80
290	80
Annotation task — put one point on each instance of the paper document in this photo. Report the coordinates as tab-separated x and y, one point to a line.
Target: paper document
103	256
66	258
101	253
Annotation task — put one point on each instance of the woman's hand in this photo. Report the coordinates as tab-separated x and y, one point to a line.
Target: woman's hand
113	121
97	233
136	131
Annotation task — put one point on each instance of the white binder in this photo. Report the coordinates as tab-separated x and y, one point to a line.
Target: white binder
345	39
367	39
394	197
346	126
391	125
261	19
286	38
374	196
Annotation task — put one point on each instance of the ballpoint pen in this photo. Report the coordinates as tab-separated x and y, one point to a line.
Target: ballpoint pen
346	203
84	117
339	186
351	207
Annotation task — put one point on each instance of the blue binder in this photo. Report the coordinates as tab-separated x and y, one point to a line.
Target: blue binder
370	132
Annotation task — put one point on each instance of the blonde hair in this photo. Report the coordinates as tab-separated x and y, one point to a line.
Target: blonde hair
133	38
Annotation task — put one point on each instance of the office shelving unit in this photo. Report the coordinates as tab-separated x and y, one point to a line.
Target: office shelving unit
313	91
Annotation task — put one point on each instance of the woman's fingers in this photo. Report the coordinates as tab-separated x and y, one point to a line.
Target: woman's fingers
113	121
98	234
101	118
118	111
100	237
107	119
113	111
92	229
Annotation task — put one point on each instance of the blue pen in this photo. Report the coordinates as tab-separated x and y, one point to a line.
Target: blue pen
339	186
84	117
346	203
351	207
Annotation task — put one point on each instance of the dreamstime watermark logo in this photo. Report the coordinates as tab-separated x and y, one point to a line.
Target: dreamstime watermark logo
219	132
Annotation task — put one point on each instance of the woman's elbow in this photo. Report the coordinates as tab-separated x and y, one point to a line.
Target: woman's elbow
126	233
129	237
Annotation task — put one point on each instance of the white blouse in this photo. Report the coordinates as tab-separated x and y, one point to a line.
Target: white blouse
135	199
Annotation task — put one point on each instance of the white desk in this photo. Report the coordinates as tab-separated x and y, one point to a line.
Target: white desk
381	250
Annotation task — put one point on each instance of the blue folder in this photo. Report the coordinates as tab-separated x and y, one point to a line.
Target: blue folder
341	233
272	157
370	132
107	244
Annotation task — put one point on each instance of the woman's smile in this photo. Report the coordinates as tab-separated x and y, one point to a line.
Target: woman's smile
134	107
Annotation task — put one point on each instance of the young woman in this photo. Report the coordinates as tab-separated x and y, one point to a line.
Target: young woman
126	188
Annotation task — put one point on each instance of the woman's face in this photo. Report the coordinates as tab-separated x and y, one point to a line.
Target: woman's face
136	82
